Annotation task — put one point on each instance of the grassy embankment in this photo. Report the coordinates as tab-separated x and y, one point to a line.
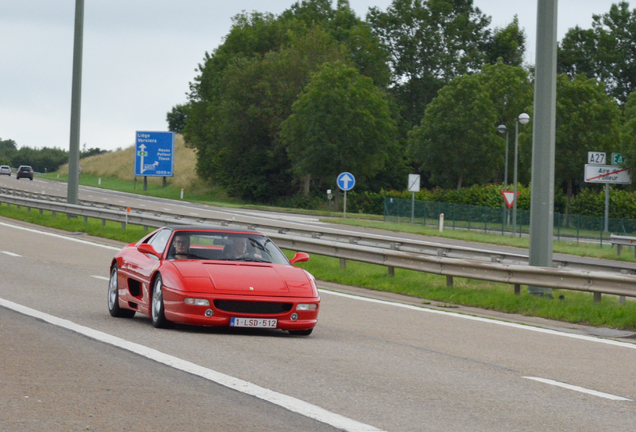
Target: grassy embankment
575	308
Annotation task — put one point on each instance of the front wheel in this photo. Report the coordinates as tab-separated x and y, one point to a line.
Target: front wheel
301	332
113	298
157	307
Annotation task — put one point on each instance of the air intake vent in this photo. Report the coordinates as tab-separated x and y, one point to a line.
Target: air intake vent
252	307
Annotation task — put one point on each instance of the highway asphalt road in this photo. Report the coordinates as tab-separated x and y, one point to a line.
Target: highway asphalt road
65	364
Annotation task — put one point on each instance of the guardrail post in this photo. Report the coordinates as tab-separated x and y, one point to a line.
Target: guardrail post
597	297
618	249
621	299
145	228
54	213
517	289
41	211
449	281
343	263
391	271
85	219
123	225
103	222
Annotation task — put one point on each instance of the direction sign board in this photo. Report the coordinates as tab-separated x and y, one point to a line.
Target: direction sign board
414	183
154	154
346	181
617	159
596	158
509	197
607	174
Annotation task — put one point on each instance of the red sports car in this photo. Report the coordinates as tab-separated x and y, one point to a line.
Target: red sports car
213	277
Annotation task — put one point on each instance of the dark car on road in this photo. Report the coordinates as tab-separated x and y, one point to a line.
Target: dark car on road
24	171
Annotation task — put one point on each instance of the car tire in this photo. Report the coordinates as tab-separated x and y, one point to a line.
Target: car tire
113	297
301	332
157	309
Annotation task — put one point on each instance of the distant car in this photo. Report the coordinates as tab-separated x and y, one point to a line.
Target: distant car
24	171
213	277
5	170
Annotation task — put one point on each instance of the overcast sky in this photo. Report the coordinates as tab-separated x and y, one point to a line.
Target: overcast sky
140	56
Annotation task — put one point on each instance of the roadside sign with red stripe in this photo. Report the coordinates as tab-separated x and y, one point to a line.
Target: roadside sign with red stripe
509	197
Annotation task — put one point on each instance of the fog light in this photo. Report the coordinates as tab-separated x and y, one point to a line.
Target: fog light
196	302
209	313
294	316
307	307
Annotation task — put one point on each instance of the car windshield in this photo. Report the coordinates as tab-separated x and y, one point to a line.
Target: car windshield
224	246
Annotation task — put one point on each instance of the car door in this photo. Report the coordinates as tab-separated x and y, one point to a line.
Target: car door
141	266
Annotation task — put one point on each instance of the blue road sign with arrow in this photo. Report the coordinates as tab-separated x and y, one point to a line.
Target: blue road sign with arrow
346	181
154	154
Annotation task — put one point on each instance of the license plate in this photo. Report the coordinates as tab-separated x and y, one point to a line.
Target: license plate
253	322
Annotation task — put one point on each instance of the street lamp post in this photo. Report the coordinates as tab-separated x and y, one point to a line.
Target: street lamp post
523	119
503	129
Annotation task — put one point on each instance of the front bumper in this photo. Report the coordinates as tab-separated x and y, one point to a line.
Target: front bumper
176	310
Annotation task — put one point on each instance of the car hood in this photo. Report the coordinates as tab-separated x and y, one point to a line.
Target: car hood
245	278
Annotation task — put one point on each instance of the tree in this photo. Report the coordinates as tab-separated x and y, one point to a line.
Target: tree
587	119
456	143
430	42
177	118
246	89
507	44
628	133
8	149
605	52
341	122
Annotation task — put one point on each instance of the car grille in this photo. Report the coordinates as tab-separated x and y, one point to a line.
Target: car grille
237	306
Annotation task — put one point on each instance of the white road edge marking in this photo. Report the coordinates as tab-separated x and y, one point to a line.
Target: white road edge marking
11	254
60	236
578	389
485	320
290	403
101	277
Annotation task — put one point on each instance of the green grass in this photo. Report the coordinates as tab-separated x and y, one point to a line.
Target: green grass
582	249
575	308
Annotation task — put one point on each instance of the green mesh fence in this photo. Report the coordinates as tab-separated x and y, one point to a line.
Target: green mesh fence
491	220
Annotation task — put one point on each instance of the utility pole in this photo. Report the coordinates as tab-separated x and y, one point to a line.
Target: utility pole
76	100
542	198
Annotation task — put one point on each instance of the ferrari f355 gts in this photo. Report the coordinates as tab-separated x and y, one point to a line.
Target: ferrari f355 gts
213	277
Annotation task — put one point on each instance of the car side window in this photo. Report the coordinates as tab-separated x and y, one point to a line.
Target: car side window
160	240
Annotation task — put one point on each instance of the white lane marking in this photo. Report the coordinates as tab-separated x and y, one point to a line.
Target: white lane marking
486	320
290	403
101	277
11	254
60	236
193	214
579	389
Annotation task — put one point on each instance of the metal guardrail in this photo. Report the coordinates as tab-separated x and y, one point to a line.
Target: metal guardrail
329	234
621	241
597	282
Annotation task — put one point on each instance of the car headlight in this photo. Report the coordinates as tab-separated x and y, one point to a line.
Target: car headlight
307	307
196	302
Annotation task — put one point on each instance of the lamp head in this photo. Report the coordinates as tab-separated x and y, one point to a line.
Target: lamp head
502	129
524	118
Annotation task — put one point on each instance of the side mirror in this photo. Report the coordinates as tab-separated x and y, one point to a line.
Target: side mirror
148	249
299	257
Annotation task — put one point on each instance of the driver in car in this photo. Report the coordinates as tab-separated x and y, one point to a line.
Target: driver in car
181	245
240	249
